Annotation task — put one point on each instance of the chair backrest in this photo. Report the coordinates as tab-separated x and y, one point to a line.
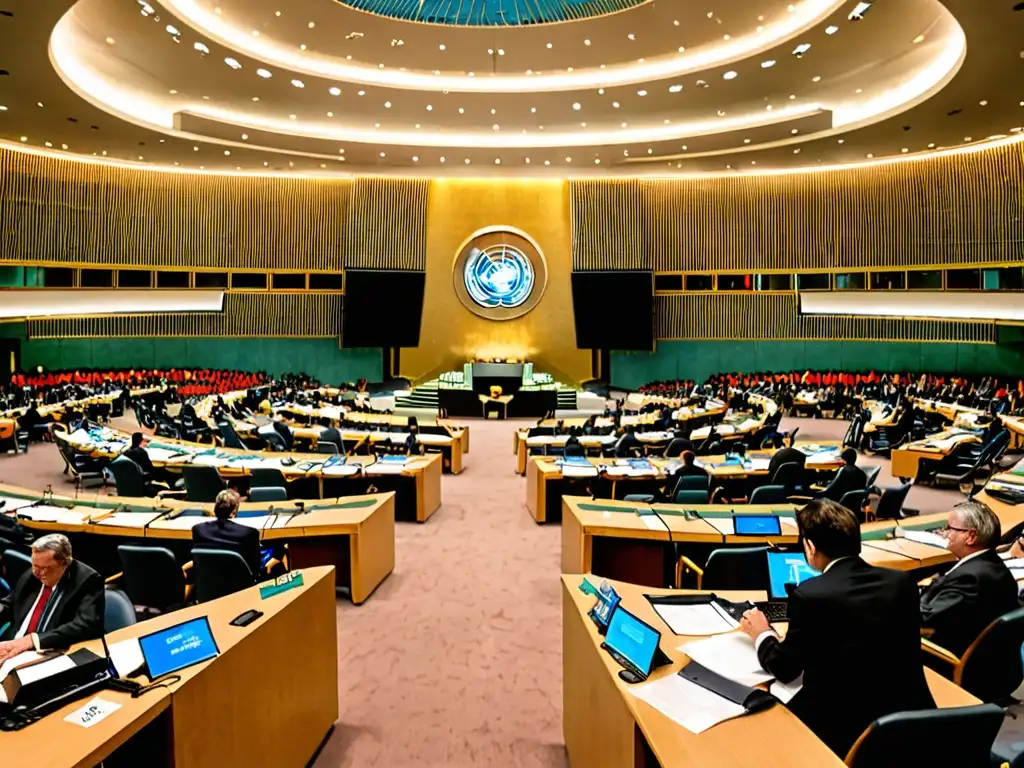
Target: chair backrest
267	478
574	449
789	475
202	484
326	446
152	578
5	590
872	473
855	501
736	568
14	565
890	504
693	483
118	611
267	493
675	447
128	477
998	647
769	494
219	572
691	497
639	498
885	742
229	435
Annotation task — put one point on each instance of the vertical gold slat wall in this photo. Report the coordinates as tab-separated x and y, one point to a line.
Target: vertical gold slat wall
718	316
244	315
387	224
955	209
58	210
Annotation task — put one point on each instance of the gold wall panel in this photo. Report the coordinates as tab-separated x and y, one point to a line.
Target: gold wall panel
717	316
245	314
387	224
942	210
451	335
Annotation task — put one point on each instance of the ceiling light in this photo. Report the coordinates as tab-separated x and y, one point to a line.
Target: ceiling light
816	79
842	141
725	37
227	151
746	141
3	108
641	93
631	36
801	49
767	63
430	108
291	117
467	161
494	111
201	47
983	103
931	146
497	161
312	24
172	30
463	111
568	159
361	93
334	90
795	131
387	105
858	12
730	75
255	33
298	84
577	106
490	51
586	42
495	127
382	154
442	158
675	88
111	41
904	150
24	138
39	104
48	144
415	159
441	47
264	73
831	30
600	91
615	104
796	151
245	136
501	51
918	39
255	98
233	63
547	162
549	45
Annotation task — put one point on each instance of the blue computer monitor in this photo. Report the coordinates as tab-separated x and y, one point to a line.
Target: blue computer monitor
757	525
177	647
787	568
632	639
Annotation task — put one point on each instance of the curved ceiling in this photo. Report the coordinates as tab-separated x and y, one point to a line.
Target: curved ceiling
623	88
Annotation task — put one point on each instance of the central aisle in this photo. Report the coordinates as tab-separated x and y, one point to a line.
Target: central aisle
456	659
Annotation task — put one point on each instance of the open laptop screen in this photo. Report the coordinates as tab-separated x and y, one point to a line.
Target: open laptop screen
757	525
632	639
787	568
177	647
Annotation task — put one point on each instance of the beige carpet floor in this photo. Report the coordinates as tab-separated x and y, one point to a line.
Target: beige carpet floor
456	659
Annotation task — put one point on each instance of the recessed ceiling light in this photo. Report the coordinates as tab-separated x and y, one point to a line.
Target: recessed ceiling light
831	30
532	109
441	47
726	37
233	63
869	155
291	117
3	108
334	90
172	30
227	151
816	79
39	104
641	93
721	112
796	151
769	108
549	45
730	75
245	137
918	39
568	159
48	144
615	104
904	150
312	24
111	41
842	141
586	42
801	49
201	47
490	51
624	124
967	138
795	131
746	141
382	154
430	107
577	106
415	159
600	91
495	127
983	103
931	146
631	36
858	12
255	33
264	73
298	84
463	111
255	98
24	138
494	111
442	158
195	149
387	105
547	162
467	161
497	161
675	88
767	63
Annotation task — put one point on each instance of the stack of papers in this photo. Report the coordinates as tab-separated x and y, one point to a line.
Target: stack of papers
925	537
701	619
47	514
732	656
693	707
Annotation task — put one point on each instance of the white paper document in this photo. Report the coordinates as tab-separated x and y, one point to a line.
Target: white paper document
94	712
127	656
654	522
724	525
25	657
341	470
823	457
45	669
182	523
732	656
786	691
759	465
925	537
574	470
788	521
130	519
13	504
47	514
701	619
693	707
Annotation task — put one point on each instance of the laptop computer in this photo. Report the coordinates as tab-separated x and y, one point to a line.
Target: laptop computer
757	525
175	648
634	644
785	571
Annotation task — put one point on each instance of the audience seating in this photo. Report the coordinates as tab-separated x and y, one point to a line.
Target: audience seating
267	493
219	572
118	611
733	568
202	483
152	578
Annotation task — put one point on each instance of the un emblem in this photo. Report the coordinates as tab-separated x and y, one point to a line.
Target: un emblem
499	273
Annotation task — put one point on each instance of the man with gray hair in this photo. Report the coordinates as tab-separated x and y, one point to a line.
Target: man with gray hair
978	589
58	603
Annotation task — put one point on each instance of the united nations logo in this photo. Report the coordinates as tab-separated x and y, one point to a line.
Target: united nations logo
499	273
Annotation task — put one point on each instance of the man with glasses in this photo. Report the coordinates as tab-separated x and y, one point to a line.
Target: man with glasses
978	589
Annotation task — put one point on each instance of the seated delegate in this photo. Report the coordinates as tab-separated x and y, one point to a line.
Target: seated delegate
225	533
58	603
854	633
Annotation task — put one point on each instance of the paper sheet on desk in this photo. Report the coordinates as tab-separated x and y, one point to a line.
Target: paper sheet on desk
654	522
724	525
693	707
700	619
13	504
732	656
47	514
823	457
385	469
211	460
759	465
568	470
925	537
341	470
130	519
786	691
183	523
25	657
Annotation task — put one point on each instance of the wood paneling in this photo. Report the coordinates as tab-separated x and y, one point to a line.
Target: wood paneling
707	316
387	227
945	210
245	314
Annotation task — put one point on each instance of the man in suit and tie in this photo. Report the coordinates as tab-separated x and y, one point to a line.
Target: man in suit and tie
978	589
850	477
58	603
225	533
842	625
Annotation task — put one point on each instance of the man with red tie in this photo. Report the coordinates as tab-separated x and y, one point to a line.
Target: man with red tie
59	603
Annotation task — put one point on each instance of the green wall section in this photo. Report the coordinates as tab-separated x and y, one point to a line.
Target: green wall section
318	357
699	359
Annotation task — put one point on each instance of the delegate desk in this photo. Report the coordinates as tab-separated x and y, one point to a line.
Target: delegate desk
544	475
56	411
270	697
907	458
356	535
605	725
416	482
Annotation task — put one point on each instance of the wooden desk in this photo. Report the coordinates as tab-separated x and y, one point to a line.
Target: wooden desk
417	486
906	459
605	725
269	698
356	535
1016	426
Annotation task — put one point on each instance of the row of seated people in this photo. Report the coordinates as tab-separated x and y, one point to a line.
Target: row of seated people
49	600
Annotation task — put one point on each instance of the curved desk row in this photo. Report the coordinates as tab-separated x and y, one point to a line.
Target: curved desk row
356	535
605	725
416	482
906	460
544	475
56	410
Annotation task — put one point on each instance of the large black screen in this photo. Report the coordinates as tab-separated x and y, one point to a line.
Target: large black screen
382	308
613	310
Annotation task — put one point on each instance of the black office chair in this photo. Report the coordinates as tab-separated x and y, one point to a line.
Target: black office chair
118	611
997	647
690	497
886	741
152	578
219	572
574	449
13	565
326	446
855	501
130	480
268	478
890	504
230	436
791	476
82	469
733	568
267	493
5	590
769	494
639	498
692	483
202	483
675	447
872	473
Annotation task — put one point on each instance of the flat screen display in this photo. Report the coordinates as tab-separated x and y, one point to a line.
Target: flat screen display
177	647
757	525
613	310
787	568
632	639
383	308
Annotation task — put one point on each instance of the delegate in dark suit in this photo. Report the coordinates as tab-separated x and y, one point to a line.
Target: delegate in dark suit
227	534
73	613
785	456
855	634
